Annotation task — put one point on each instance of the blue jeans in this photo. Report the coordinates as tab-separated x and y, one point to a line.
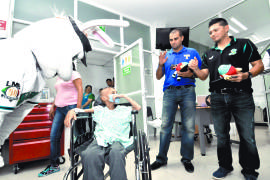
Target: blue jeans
185	98
57	130
241	106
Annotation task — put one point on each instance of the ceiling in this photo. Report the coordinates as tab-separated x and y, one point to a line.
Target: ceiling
254	14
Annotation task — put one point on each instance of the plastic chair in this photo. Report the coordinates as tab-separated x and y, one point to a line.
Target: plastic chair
152	122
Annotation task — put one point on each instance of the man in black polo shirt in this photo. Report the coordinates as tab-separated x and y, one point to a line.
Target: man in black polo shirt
233	96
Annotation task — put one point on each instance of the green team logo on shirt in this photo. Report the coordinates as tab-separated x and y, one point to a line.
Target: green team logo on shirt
26	96
10	92
233	52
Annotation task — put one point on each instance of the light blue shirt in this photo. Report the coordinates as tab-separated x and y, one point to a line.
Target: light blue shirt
112	125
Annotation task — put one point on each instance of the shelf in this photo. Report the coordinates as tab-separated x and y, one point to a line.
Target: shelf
31	139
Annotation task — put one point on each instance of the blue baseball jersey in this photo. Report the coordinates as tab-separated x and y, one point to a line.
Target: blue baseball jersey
185	55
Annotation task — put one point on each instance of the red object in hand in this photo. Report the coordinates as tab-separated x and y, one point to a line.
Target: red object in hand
178	67
231	71
181	67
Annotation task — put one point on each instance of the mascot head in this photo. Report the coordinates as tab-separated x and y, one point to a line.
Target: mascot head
56	42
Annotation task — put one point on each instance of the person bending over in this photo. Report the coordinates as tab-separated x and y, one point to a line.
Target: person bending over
69	95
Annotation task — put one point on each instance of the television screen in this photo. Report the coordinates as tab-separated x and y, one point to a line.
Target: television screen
162	37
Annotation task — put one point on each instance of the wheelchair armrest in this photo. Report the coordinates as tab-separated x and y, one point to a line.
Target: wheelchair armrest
80	134
82	115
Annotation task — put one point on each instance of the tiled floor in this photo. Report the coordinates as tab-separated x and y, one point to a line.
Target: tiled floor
204	165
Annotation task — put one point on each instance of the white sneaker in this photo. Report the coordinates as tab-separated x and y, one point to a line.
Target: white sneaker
155	123
1	161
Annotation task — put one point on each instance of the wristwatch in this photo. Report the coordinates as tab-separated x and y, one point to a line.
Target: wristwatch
249	75
193	76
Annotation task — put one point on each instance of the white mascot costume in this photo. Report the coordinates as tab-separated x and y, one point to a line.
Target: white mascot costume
40	51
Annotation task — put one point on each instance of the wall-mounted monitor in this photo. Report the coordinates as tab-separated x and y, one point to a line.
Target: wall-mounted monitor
162	37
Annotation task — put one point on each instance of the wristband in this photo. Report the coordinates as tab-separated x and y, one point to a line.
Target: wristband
77	110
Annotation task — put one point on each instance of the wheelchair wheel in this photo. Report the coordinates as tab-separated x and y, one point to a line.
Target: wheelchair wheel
145	168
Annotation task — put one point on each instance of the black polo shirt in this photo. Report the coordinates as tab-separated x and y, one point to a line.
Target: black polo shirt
239	53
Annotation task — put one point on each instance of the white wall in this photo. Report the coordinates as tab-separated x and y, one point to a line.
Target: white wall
202	87
158	87
259	91
94	75
50	84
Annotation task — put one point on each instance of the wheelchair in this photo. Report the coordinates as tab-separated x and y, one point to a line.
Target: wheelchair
81	139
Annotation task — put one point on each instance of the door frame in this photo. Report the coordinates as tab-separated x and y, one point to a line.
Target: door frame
138	42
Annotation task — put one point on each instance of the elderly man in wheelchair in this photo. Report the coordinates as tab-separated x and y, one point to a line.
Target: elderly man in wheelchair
111	136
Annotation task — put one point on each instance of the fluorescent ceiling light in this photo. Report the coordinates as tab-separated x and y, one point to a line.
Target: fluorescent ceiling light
233	29
238	23
262	41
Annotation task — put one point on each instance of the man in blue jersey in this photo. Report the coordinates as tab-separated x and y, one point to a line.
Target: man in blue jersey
177	92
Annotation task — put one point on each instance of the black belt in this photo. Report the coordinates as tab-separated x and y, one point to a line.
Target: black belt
228	90
179	87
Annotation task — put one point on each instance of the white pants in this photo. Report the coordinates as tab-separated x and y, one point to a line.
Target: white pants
10	121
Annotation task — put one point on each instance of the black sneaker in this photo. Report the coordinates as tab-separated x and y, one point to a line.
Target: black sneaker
250	177
221	173
49	170
155	165
188	166
250	174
